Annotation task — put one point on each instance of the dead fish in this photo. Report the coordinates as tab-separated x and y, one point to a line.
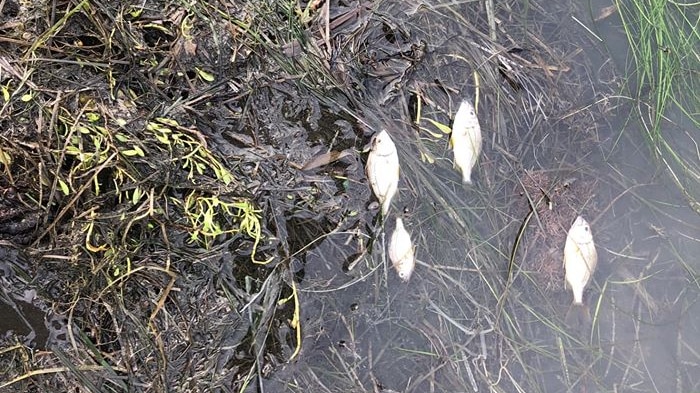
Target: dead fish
466	140
580	258
401	252
383	169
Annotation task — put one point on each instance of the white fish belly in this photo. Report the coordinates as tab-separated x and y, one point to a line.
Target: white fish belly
466	140
401	252
383	174
579	264
465	157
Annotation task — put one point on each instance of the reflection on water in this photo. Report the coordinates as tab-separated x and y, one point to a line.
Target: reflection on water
19	319
25	321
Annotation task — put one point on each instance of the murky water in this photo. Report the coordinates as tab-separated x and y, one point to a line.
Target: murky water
26	318
472	318
485	308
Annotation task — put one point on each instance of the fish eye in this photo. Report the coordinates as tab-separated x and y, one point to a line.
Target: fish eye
585	228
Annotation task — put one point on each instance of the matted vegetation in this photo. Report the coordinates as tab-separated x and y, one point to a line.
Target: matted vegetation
107	137
194	176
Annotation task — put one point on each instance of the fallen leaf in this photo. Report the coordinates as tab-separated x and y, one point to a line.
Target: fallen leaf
325	159
606	12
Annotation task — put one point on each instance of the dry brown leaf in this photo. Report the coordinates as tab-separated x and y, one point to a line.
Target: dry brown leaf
606	12
325	159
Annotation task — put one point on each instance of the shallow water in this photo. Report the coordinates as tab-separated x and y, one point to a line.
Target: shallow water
479	313
26	318
450	328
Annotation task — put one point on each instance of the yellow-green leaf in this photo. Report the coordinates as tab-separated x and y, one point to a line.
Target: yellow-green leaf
64	187
442	127
27	97
158	27
163	138
72	150
426	157
135	12
167	121
136	196
224	175
204	75
5	158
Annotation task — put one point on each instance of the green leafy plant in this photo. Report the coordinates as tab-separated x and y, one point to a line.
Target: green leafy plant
195	157
208	218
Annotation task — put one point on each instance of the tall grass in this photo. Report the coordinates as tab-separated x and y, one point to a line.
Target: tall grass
664	39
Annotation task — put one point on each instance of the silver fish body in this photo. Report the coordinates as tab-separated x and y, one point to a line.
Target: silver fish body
580	257
466	140
383	169
401	251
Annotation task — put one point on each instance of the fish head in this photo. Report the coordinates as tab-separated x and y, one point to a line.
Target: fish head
466	109
580	231
382	143
405	274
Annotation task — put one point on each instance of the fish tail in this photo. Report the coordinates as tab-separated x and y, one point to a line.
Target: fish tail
385	207
578	316
466	175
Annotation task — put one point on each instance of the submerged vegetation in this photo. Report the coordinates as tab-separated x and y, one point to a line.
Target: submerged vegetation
186	185
664	39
